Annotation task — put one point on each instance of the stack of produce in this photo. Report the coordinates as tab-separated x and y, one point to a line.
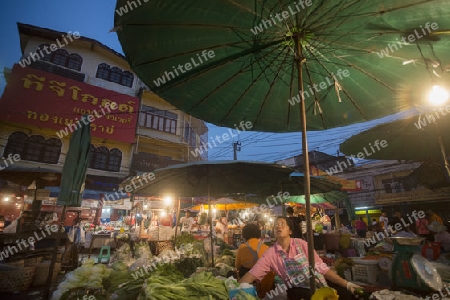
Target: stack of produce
202	286
86	276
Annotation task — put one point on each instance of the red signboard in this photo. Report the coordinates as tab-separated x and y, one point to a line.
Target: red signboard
47	100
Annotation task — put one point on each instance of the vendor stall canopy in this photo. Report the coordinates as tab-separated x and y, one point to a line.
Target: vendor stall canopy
215	178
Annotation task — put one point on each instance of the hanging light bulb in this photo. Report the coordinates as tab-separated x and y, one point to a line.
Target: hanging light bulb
438	95
167	200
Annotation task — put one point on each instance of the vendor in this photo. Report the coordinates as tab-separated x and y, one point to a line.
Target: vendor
288	258
222	228
248	254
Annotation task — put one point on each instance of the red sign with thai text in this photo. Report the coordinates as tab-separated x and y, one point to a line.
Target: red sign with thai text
47	100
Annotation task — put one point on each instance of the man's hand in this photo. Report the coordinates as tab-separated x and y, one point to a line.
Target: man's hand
352	287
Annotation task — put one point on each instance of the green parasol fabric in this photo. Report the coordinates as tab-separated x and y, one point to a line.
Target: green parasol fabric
75	167
415	138
251	77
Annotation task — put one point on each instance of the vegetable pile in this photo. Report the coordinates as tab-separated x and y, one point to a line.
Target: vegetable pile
87	276
202	286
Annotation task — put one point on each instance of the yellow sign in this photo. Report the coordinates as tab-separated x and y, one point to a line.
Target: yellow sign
347	185
371	212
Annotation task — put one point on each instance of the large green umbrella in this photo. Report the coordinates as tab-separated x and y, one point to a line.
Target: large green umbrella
416	138
72	180
243	63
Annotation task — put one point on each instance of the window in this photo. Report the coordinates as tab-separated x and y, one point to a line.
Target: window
104	159
115	74
74	62
127	79
103	71
60	57
190	135
157	119
33	148
45	57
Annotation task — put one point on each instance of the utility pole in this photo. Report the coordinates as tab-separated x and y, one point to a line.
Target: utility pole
236	147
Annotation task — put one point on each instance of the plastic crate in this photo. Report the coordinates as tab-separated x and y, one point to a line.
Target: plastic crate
365	273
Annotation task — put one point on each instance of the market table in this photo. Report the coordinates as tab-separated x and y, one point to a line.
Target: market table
99	240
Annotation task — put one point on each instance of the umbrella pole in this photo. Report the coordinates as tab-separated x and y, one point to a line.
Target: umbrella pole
176	219
444	155
210	226
310	238
55	252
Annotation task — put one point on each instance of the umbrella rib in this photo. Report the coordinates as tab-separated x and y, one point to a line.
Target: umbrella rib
212	65
224	83
315	95
346	93
271	85
246	90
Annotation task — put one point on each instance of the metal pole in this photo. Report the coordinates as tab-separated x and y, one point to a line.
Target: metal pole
210	223
55	252
310	237
176	219
444	155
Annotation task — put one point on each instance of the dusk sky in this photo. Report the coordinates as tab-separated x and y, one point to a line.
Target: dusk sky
94	19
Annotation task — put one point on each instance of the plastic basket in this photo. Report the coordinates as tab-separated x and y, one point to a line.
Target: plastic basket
15	279
365	273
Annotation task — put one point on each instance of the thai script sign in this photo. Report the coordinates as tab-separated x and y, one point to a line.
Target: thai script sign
47	100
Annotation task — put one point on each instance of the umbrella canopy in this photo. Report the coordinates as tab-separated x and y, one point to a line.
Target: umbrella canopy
217	177
415	138
75	167
227	204
228	62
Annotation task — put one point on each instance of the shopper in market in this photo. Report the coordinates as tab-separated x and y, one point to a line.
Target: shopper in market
433	217
361	227
297	232
187	222
249	253
422	228
221	228
441	235
288	258
384	219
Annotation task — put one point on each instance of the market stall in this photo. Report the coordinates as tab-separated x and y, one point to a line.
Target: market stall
178	273
233	235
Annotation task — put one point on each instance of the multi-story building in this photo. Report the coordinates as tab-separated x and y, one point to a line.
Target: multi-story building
394	185
60	78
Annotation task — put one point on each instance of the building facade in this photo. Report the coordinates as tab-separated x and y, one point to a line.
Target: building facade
62	77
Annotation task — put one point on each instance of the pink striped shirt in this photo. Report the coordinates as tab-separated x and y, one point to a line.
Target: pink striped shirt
271	260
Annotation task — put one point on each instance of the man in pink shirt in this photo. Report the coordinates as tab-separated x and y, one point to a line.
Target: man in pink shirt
288	258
